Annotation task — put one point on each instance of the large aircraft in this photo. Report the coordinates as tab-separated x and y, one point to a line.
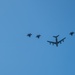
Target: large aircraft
29	35
71	33
38	36
56	40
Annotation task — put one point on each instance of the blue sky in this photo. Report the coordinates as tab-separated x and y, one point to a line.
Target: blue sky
20	55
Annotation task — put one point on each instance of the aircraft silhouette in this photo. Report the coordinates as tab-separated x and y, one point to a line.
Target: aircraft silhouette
56	40
38	36
29	35
71	33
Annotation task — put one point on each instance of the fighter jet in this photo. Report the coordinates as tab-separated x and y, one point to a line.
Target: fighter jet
56	40
71	33
38	36
29	35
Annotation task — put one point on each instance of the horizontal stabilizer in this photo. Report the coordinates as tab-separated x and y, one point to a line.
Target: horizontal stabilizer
56	36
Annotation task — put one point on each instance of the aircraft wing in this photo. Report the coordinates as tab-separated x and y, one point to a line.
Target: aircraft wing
51	42
62	40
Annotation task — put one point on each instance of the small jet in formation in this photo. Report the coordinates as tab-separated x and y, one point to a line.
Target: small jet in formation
29	35
38	36
56	40
71	33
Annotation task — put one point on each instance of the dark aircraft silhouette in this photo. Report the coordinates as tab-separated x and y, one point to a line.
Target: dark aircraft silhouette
38	36
29	35
71	33
56	40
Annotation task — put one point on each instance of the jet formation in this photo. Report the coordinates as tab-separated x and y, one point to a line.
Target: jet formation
56	42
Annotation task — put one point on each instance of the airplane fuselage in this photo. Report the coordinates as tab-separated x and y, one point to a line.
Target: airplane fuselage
56	42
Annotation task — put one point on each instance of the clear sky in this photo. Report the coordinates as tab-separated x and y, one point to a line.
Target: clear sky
20	55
